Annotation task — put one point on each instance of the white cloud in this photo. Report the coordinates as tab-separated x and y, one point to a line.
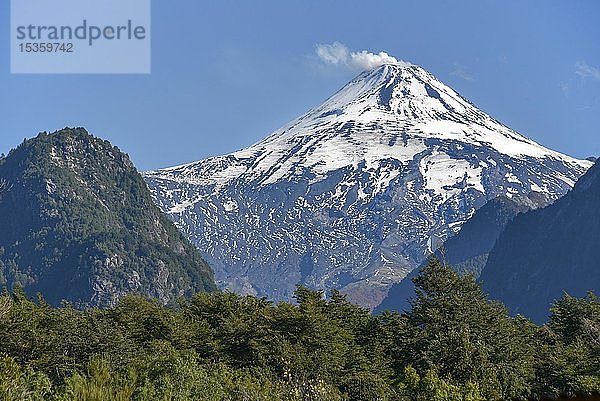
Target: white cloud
587	71
339	54
461	72
335	53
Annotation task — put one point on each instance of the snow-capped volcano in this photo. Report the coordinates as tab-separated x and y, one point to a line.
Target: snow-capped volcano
354	193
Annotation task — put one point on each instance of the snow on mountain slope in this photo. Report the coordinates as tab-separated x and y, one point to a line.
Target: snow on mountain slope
354	193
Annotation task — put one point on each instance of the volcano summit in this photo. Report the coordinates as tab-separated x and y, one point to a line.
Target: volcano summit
356	192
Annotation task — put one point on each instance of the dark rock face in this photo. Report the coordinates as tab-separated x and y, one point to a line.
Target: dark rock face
77	222
546	252
467	251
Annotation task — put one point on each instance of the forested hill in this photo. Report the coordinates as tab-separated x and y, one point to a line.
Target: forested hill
543	253
78	223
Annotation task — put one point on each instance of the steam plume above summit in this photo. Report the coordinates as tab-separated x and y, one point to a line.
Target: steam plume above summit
339	54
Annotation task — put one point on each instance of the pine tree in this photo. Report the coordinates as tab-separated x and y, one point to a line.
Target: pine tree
464	337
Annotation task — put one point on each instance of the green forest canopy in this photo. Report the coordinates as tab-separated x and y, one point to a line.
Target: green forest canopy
453	345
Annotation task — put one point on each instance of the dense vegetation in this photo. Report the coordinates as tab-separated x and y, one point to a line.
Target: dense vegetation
78	223
453	344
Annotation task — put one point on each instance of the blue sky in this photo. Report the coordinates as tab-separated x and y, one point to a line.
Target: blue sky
225	74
